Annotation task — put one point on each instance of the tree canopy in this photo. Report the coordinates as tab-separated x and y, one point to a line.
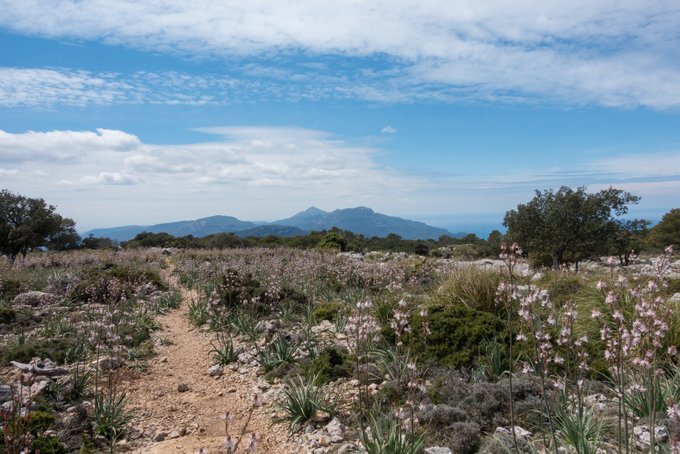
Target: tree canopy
666	232
27	223
568	225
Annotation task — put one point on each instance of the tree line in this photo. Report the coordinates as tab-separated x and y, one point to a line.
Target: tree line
556	227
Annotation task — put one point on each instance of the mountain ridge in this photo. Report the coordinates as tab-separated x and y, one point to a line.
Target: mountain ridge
359	220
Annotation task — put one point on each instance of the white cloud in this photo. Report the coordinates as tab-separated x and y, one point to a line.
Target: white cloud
104	178
62	145
113	178
641	165
388	130
609	52
244	169
41	88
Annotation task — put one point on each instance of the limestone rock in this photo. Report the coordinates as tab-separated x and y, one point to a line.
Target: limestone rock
437	450
643	436
216	371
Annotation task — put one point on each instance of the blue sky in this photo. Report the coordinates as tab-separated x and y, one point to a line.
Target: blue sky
450	112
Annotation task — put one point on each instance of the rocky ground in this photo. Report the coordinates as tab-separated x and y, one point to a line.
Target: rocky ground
180	403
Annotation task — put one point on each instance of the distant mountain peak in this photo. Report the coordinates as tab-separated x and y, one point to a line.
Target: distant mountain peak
361	220
313	210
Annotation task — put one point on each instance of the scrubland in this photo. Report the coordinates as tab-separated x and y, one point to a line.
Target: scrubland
377	353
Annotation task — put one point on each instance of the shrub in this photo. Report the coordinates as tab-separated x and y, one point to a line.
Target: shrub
48	445
561	287
40	421
331	364
9	288
486	404
464	437
328	310
23	349
456	333
471	287
7	315
95	284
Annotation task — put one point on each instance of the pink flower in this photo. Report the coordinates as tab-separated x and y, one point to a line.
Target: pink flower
229	445
252	442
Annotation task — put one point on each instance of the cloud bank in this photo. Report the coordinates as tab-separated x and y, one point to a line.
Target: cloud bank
109	177
611	52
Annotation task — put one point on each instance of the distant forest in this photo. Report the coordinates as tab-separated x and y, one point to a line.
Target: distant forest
469	246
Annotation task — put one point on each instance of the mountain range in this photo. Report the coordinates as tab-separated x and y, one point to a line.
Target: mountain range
360	220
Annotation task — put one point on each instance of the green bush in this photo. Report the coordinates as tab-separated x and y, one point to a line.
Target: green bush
40	421
328	310
25	348
561	287
330	365
470	286
48	445
456	333
7	315
9	288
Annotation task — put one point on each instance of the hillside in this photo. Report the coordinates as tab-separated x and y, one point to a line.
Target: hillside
360	220
364	221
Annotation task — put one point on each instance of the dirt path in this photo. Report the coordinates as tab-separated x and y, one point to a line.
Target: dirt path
183	422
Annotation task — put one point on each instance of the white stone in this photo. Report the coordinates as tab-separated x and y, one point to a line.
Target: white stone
437	450
216	371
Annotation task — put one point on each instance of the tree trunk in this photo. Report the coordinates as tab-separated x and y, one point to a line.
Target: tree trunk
556	259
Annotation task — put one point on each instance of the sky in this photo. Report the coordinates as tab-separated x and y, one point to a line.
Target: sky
449	112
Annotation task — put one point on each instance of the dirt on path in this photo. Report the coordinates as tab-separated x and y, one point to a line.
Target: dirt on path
172	421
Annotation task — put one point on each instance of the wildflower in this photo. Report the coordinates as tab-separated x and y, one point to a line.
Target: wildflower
252	442
596	313
229	445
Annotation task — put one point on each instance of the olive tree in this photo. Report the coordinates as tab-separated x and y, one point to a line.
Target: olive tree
567	225
27	223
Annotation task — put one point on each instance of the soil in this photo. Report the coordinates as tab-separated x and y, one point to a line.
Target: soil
194	414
